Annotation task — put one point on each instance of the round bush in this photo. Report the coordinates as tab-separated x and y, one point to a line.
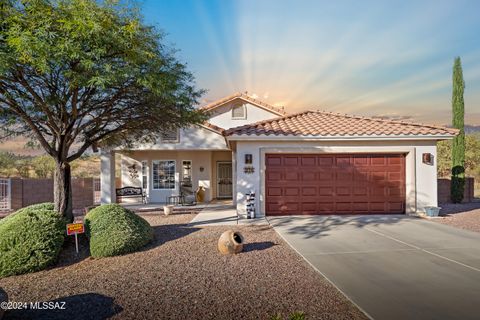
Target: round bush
114	230
30	239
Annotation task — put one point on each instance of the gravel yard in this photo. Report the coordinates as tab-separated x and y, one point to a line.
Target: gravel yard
182	276
463	215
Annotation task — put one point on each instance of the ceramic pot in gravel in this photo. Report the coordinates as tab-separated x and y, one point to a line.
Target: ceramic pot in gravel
230	242
3	298
168	210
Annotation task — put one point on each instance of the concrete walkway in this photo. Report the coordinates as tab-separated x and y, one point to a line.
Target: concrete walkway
215	214
392	267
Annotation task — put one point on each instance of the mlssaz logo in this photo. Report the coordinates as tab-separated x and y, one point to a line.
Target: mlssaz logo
48	305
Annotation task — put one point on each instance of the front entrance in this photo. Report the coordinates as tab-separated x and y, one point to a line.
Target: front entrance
224	180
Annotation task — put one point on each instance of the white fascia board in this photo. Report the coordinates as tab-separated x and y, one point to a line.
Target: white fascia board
334	138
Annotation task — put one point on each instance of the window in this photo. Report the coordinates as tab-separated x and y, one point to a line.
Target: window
163	172
144	175
171	136
186	171
238	111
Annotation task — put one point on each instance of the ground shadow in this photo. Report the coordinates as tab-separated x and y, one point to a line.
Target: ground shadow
319	226
68	255
257	246
169	232
88	306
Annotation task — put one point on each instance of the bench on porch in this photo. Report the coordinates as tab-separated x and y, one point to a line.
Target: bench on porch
131	192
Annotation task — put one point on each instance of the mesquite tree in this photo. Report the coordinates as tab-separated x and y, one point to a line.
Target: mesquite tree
77	74
458	146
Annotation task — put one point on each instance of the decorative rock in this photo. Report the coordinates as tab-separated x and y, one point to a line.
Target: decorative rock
230	242
168	210
3	298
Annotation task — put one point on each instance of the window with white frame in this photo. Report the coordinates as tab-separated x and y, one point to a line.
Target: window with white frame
144	174
239	111
163	174
171	136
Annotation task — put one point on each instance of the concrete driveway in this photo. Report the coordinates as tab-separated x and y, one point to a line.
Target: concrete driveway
392	267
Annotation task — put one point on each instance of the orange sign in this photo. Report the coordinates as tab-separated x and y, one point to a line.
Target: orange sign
74	228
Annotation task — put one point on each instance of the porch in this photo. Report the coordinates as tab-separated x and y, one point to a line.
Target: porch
168	173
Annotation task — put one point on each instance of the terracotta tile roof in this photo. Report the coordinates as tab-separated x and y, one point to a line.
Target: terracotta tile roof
247	98
327	124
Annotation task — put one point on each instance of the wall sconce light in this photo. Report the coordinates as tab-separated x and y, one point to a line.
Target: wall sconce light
201	169
248	158
427	158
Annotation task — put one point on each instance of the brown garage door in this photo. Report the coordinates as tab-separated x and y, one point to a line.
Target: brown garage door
334	184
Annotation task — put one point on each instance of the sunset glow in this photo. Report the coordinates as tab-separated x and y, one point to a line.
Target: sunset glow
363	57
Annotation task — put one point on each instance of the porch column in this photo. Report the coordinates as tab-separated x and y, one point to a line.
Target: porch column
234	177
107	176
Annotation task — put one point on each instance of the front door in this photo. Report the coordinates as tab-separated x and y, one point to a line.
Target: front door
224	180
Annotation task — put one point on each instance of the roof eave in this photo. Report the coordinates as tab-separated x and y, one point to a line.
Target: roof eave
216	105
245	137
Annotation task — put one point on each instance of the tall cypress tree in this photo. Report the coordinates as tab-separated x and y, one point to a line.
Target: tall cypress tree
458	147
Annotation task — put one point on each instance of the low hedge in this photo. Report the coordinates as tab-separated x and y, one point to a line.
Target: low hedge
30	239
114	230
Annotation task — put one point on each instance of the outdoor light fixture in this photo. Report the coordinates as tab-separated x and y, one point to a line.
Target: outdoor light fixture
248	158
427	158
201	169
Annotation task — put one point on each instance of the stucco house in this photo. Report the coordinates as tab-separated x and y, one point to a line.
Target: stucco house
312	162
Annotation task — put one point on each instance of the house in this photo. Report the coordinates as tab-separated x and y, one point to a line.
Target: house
311	162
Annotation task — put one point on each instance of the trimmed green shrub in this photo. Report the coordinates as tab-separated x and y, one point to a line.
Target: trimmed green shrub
30	239
114	230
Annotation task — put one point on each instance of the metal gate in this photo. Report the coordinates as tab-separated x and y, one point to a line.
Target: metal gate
5	194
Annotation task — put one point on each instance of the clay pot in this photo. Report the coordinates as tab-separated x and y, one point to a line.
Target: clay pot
230	242
168	210
3	298
200	194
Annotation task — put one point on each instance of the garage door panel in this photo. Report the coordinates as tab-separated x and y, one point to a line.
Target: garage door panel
378	161
274	175
292	191
344	176
308	161
309	176
309	207
335	184
394	191
326	177
325	191
360	191
361	161
395	160
343	191
343	207
326	161
292	176
274	160
291	161
360	206
309	191
395	206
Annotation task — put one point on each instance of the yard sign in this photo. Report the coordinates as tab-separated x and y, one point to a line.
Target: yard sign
75	228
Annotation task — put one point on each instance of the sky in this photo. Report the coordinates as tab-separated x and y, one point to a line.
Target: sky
372	58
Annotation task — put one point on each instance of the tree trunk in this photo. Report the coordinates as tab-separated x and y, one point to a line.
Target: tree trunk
62	190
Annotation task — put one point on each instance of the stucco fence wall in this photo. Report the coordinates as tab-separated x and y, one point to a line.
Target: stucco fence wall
444	190
25	192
